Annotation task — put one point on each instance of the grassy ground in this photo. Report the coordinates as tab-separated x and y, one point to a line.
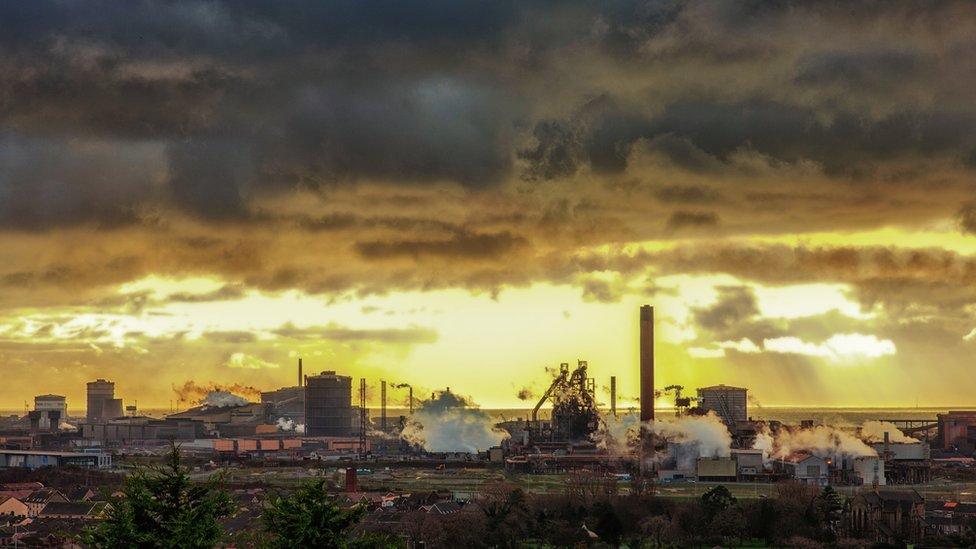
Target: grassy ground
409	479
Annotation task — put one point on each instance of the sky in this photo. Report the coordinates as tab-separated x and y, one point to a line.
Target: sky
464	194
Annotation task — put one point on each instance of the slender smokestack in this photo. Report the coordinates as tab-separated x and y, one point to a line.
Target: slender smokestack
613	395
411	399
362	418
646	363
300	378
383	405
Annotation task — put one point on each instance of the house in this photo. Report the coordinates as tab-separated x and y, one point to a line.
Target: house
75	510
40	498
80	493
804	467
12	507
949	517
443	508
888	516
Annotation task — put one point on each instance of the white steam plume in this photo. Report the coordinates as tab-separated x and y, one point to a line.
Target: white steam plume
694	437
285	424
873	431
617	434
449	423
822	441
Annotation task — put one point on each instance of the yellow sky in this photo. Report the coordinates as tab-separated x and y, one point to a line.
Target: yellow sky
483	345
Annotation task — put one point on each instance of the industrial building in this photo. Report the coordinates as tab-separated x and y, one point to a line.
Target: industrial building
729	403
231	420
35	459
287	402
716	469
804	467
101	401
905	462
328	405
50	403
957	430
132	429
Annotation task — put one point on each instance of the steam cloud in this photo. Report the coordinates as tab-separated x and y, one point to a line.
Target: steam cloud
449	423
694	437
617	434
285	424
873	431
828	442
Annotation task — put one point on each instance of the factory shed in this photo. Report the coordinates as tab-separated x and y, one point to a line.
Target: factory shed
748	462
804	467
715	469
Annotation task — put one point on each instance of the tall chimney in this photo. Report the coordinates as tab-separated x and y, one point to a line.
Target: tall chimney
646	363
383	405
411	399
613	395
300	378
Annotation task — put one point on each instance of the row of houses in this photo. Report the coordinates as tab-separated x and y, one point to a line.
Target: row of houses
29	500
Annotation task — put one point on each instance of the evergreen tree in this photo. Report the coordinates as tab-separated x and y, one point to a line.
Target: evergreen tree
162	507
310	517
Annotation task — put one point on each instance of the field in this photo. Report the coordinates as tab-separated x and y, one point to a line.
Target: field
467	480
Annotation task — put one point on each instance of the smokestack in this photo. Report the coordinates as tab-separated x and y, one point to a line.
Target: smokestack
613	395
411	399
646	363
362	418
383	405
352	482
301	379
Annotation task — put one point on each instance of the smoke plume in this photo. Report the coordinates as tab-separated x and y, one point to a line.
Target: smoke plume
694	437
617	434
822	441
449	423
874	431
285	424
190	391
525	393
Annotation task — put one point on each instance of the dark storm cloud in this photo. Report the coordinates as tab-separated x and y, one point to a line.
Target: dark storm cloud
462	245
225	292
241	100
690	194
735	315
966	217
734	304
685	219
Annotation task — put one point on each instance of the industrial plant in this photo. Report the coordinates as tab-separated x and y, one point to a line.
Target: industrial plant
705	435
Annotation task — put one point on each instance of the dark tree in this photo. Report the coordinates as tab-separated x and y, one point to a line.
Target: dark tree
310	517
162	507
716	500
608	523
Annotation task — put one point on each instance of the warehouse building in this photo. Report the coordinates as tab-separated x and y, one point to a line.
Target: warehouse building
35	459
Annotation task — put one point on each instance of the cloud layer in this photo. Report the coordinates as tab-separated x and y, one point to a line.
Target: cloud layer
364	148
